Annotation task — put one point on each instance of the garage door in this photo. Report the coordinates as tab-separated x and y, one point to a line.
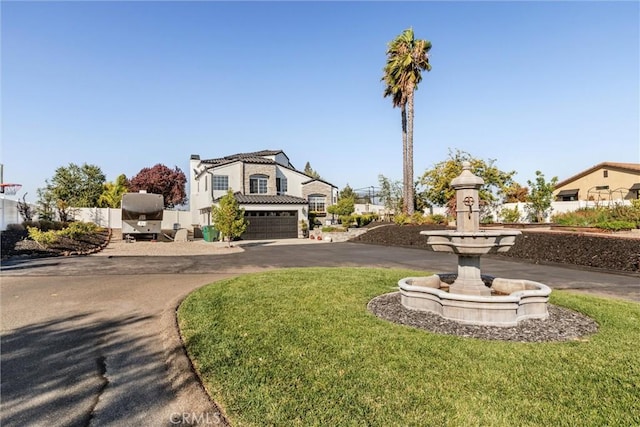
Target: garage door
271	225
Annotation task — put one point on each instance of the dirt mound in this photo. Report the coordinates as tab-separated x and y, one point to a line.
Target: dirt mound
16	244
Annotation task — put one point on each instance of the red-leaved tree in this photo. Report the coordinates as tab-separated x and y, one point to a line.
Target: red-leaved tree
160	179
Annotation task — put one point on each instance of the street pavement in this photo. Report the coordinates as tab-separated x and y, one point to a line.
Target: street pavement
93	341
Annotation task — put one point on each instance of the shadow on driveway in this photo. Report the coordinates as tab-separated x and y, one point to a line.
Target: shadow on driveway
79	369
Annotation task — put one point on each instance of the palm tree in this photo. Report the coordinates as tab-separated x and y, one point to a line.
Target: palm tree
406	58
111	196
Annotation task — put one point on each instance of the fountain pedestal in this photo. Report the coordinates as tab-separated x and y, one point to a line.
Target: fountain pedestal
468	299
468	281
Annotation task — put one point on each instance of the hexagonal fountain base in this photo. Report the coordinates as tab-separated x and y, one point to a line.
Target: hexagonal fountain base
511	300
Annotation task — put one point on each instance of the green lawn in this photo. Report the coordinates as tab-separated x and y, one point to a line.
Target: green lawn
298	347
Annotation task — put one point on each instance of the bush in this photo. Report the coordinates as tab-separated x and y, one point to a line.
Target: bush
45	225
616	225
330	229
76	230
510	215
360	220
418	218
401	219
15	227
43	238
347	220
435	219
593	217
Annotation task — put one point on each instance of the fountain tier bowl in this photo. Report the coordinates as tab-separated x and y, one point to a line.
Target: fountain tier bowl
471	242
511	302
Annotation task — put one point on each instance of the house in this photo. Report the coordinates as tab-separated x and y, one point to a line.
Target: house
603	182
275	195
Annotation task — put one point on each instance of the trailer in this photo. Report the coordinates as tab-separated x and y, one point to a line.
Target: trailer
142	215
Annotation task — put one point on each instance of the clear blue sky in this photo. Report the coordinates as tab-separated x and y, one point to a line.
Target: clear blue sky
550	86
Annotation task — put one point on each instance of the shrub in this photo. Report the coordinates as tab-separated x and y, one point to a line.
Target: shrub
45	225
43	238
418	218
486	219
510	215
593	217
401	219
331	229
363	219
616	225
15	227
76	230
347	220
435	219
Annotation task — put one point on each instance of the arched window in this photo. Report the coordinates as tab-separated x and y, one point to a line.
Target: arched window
258	184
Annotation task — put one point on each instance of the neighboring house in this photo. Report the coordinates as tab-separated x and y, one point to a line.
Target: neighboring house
275	195
604	181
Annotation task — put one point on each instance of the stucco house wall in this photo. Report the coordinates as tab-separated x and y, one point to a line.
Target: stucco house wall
239	168
605	181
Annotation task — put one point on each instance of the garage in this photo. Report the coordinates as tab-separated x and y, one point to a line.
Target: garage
271	225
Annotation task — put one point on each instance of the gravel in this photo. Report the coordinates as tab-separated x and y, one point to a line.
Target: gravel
561	325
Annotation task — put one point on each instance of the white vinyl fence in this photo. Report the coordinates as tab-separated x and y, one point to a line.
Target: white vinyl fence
112	218
9	212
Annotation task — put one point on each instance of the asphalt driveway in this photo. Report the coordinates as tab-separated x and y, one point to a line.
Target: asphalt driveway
93	340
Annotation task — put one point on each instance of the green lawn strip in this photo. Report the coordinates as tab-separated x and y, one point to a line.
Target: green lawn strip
298	347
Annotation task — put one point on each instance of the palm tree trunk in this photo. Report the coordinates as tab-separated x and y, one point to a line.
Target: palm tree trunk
409	190
403	111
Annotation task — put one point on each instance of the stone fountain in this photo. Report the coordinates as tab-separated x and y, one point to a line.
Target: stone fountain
473	298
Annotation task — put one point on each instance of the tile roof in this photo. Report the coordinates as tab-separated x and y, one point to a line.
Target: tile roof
261	199
255	157
631	167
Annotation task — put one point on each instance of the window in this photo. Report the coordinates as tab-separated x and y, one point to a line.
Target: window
206	179
258	184
317	203
281	186
602	187
220	182
605	174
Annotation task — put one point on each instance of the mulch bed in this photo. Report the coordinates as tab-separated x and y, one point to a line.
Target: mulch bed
15	244
599	251
561	325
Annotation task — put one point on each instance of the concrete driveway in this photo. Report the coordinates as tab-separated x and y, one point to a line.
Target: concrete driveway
93	340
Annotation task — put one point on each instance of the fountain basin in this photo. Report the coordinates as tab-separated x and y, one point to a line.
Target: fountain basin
511	301
471	242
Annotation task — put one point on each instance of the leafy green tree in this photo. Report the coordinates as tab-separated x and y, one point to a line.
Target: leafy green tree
46	205
347	192
78	186
160	179
345	206
228	217
540	197
437	181
391	194
406	59
310	171
112	192
71	187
